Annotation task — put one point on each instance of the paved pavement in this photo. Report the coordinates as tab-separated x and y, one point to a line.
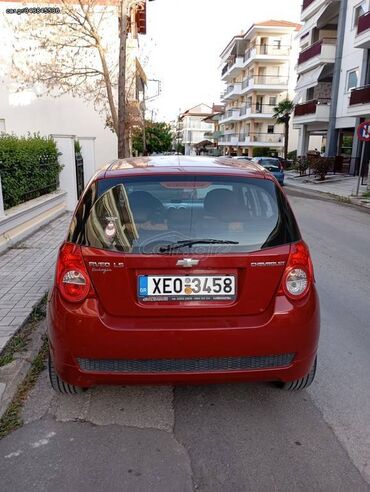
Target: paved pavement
340	185
223	437
26	271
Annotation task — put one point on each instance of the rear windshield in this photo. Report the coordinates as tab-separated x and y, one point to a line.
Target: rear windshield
147	214
270	163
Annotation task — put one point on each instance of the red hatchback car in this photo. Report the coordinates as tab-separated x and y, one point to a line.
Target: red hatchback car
183	270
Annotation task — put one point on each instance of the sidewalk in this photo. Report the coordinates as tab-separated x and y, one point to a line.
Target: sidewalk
338	185
26	272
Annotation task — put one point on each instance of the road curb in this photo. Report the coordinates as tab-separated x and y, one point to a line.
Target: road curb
14	373
343	200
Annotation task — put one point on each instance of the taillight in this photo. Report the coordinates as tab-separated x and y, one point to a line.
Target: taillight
298	276
72	278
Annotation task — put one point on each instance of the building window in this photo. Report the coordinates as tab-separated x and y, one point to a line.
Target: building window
352	79
270	129
357	12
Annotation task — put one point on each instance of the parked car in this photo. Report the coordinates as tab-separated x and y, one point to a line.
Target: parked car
179	272
273	165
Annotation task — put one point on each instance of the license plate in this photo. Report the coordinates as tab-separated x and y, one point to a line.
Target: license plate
188	288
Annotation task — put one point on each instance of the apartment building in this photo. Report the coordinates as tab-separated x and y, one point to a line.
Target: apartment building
192	127
333	87
259	72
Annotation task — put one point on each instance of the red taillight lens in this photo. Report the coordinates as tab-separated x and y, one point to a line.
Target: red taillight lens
298	276
72	278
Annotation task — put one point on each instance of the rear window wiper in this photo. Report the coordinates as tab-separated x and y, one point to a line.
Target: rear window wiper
188	243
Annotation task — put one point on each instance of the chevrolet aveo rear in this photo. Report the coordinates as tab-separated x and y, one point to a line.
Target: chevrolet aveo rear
183	272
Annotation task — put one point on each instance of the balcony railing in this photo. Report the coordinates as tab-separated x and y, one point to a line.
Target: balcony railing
267	137
267	49
308	53
361	95
233	61
310	107
268	80
257	109
225	69
230	113
228	138
363	23
245	84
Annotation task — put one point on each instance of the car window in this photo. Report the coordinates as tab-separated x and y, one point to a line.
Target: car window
137	215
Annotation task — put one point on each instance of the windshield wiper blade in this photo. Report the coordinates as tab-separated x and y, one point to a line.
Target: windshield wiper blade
189	243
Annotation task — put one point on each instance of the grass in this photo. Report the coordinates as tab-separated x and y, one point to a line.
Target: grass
12	419
366	194
343	199
19	342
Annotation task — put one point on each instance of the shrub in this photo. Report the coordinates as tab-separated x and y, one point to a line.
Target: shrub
321	165
28	168
292	156
263	152
301	165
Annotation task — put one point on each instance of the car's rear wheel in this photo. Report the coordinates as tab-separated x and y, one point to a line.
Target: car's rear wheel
302	383
58	384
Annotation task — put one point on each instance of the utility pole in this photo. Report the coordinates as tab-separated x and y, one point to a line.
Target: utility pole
122	150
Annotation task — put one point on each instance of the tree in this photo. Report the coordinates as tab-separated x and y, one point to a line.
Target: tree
73	53
158	138
282	114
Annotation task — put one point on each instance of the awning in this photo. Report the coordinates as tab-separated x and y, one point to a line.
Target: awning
322	17
297	97
309	79
312	22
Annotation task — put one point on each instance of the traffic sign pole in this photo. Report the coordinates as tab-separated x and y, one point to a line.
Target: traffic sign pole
360	170
363	134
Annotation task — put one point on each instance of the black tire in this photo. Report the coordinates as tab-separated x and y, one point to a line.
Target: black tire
60	386
302	383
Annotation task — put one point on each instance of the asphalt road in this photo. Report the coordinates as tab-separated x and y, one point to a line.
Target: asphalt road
224	437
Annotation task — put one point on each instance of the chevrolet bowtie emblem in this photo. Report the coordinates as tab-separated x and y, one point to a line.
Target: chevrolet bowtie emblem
187	262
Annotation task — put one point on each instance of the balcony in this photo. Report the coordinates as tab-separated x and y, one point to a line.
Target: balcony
266	52
231	139
361	95
256	111
275	83
321	52
230	115
213	135
232	69
359	102
262	140
232	92
362	40
315	111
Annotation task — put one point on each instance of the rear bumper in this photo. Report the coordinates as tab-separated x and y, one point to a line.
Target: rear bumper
81	334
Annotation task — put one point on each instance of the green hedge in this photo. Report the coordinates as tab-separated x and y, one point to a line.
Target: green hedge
28	168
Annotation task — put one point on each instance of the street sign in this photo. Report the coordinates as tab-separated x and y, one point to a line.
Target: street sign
363	131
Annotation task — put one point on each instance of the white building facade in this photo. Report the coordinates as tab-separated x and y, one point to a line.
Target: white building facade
193	128
259	72
334	77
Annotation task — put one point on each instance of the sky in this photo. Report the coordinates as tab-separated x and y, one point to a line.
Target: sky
184	41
